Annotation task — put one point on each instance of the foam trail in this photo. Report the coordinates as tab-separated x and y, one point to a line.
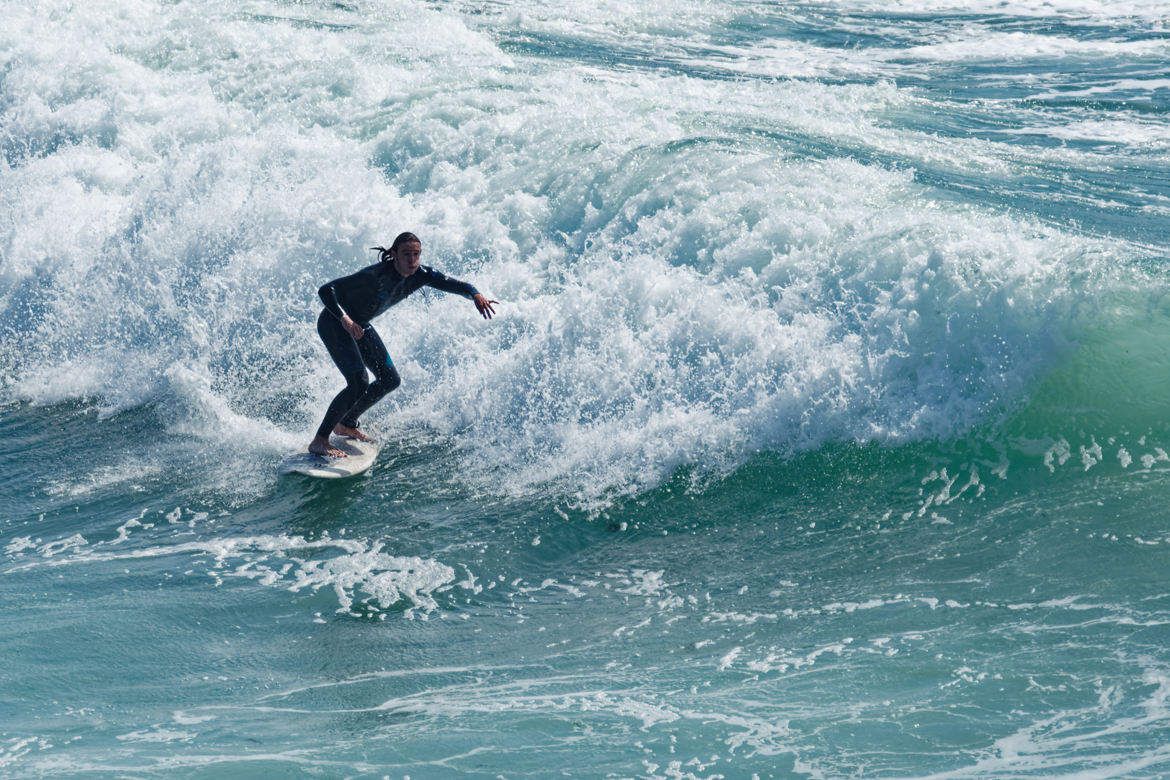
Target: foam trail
361	574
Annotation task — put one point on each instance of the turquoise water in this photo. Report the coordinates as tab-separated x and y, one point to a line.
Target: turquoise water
822	433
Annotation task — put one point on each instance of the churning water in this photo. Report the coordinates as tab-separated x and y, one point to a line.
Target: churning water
822	431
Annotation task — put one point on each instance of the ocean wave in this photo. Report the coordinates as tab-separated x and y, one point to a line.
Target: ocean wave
692	270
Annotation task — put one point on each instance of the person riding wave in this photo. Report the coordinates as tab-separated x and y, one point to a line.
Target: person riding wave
351	302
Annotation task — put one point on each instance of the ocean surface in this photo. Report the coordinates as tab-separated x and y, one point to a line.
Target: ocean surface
822	432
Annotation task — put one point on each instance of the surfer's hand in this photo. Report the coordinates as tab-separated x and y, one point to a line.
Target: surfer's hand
484	306
352	328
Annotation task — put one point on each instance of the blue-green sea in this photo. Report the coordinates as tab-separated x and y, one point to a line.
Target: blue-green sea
823	430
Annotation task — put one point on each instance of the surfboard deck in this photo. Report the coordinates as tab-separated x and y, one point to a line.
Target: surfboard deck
361	455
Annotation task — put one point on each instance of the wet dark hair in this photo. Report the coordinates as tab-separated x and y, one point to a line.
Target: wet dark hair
399	240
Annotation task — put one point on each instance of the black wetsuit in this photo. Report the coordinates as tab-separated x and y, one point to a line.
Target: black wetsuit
363	296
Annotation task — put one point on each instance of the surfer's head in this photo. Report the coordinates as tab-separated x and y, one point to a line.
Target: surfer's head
404	253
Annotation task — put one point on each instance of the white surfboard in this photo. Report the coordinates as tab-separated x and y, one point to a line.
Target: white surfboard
360	456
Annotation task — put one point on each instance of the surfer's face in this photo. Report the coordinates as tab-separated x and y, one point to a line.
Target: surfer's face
406	257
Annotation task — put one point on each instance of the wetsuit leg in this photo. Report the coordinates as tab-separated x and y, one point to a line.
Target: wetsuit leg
386	378
348	357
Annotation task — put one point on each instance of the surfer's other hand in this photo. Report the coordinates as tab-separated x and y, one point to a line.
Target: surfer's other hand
484	306
352	328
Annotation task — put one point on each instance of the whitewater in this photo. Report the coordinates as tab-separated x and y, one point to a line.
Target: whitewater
820	432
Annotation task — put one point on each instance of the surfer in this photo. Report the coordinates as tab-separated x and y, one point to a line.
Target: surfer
344	325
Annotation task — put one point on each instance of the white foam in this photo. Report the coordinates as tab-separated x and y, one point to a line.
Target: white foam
980	44
1085	742
360	573
19	544
13	749
158	734
1143	87
1132	132
1124	10
679	288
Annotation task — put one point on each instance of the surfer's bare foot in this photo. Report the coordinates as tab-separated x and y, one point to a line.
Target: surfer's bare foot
353	433
321	446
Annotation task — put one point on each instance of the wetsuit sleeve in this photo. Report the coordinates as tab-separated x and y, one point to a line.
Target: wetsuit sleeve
329	298
441	281
353	291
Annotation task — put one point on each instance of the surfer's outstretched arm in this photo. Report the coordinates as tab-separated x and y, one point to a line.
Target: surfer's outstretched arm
440	281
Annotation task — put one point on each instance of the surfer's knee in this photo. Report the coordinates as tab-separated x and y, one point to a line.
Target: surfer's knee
358	382
391	380
388	379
